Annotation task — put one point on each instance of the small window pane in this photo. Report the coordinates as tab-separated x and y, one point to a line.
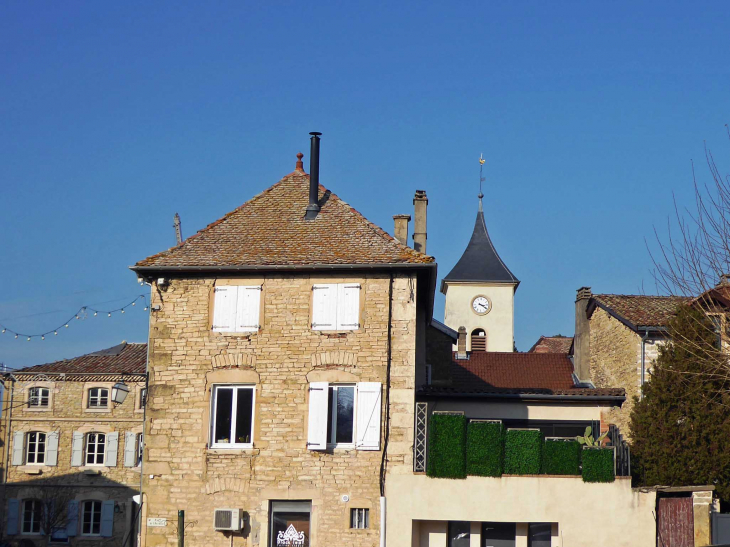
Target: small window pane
223	415
345	415
140	448
459	534
244	411
360	518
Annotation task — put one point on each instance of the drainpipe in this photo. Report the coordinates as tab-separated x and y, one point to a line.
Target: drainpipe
382	521
9	424
643	363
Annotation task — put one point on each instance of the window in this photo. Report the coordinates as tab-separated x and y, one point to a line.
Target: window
98	397
336	306
341	415
32	515
140	448
91	518
95	444
39	397
232	424
360	518
35	449
236	308
142	398
459	534
344	416
552	429
539	534
478	340
499	533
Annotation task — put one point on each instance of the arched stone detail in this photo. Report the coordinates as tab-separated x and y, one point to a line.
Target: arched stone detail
234	360
227	484
334	358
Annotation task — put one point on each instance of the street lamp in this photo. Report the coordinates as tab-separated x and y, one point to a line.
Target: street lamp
119	392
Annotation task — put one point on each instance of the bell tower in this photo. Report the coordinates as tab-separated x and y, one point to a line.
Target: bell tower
480	293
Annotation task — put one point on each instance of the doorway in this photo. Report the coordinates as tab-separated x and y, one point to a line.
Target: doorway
289	523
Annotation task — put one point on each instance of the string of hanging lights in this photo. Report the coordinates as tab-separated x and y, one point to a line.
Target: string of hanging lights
80	314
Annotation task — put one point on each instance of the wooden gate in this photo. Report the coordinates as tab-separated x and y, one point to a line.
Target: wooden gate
675	522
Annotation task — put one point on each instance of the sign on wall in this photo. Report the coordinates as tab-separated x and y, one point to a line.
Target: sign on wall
156	522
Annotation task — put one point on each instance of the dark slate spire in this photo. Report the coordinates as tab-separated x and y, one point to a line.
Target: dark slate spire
480	261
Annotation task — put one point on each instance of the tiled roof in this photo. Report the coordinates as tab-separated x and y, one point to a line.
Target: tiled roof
552	344
270	230
123	358
515	374
640	310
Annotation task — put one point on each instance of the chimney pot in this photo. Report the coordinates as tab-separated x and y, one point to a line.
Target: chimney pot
583	293
401	228
313	207
300	163
461	344
420	203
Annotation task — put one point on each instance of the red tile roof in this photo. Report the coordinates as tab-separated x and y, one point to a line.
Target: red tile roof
124	358
516	373
552	344
270	230
641	310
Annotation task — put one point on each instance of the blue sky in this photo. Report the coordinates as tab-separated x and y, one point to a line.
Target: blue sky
117	115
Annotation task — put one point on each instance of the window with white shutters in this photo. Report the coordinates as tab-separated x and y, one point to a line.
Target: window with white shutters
336	306
236	308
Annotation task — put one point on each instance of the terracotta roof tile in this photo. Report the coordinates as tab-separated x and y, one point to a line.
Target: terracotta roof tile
515	373
641	310
552	344
270	230
123	358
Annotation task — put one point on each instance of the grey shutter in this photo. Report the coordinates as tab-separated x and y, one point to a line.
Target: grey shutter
317	430
18	447
107	518
13	516
112	444
72	518
130	449
77	449
52	448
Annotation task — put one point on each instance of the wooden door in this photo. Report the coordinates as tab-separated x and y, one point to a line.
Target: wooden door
675	522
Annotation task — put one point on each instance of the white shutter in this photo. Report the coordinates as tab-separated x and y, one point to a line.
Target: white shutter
52	448
18	447
348	306
247	309
77	449
324	307
317	430
368	416
224	308
130	449
112	445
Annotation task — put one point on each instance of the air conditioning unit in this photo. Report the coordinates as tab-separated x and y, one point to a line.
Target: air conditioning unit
227	519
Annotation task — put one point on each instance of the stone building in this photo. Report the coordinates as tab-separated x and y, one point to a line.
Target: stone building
284	343
71	453
552	344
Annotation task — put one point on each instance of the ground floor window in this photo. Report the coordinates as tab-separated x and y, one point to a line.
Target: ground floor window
289	523
32	514
360	518
498	534
459	534
539	534
91	518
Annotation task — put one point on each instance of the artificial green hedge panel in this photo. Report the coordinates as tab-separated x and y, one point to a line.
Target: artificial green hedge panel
561	457
447	446
522	451
484	448
598	465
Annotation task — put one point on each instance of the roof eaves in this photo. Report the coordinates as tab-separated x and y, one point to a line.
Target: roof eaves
438	325
610	311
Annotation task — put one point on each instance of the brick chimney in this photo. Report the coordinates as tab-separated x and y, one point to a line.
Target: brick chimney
401	228
581	341
461	344
420	203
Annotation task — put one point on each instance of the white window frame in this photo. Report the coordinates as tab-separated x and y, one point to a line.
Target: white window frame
83	518
332	404
359	518
235	327
338	294
32	520
98	398
213	414
40	397
35	452
87	441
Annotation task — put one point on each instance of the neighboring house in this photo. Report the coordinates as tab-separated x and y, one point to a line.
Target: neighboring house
73	454
552	344
278	336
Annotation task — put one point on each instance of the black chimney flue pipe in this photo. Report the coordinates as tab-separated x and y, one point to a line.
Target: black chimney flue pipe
313	207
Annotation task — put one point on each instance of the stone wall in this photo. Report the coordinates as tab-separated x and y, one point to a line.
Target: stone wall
182	472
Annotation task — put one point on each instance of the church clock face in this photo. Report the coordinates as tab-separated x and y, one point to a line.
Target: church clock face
481	305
